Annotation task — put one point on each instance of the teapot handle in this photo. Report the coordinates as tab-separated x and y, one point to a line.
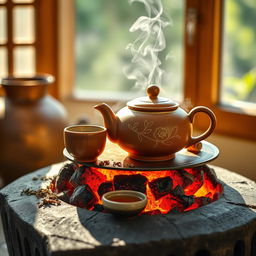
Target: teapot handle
192	140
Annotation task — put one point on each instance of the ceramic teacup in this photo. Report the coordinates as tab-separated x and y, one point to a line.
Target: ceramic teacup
85	142
124	202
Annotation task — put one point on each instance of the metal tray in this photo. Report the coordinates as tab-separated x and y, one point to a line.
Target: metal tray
114	157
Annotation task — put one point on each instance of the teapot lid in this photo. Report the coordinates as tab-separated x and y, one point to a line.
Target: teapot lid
152	103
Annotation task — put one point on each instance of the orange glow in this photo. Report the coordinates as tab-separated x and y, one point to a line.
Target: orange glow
167	190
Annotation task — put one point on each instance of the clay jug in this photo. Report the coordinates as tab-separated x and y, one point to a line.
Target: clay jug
31	126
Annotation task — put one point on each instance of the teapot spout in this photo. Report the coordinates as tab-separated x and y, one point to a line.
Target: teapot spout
110	120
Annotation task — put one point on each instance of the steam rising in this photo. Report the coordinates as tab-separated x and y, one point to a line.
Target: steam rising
145	65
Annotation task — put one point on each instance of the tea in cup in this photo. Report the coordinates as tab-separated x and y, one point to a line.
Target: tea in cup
85	142
124	202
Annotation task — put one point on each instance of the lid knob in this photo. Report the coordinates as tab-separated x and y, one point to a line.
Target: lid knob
153	91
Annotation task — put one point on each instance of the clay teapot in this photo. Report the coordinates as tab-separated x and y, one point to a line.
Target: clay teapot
153	128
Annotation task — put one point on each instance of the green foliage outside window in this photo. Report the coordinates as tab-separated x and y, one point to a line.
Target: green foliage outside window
102	36
239	64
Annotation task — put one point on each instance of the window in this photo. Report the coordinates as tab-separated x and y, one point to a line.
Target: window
202	73
204	69
25	48
103	64
206	49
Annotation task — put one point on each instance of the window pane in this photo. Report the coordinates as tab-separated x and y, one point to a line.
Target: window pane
102	35
2	25
2	1
24	60
3	62
239	53
24	24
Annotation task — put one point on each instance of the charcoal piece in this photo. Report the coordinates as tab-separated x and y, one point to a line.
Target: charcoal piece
211	175
184	200
130	182
200	201
64	196
187	200
62	180
186	177
182	178
77	179
161	187
83	197
203	200
198	174
105	187
174	210
178	194
178	191
98	208
93	177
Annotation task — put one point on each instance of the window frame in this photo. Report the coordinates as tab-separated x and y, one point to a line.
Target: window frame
203	86
46	39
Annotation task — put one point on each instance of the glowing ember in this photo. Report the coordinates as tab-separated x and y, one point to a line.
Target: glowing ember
167	190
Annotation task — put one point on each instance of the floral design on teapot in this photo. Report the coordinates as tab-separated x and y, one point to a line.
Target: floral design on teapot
159	135
153	128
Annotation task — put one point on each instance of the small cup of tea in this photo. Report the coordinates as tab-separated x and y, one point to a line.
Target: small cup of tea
85	142
124	202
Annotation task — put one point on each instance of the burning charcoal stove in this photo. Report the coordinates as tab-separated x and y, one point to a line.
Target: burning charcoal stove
179	187
62	181
168	226
160	187
77	179
165	189
105	187
83	197
130	182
